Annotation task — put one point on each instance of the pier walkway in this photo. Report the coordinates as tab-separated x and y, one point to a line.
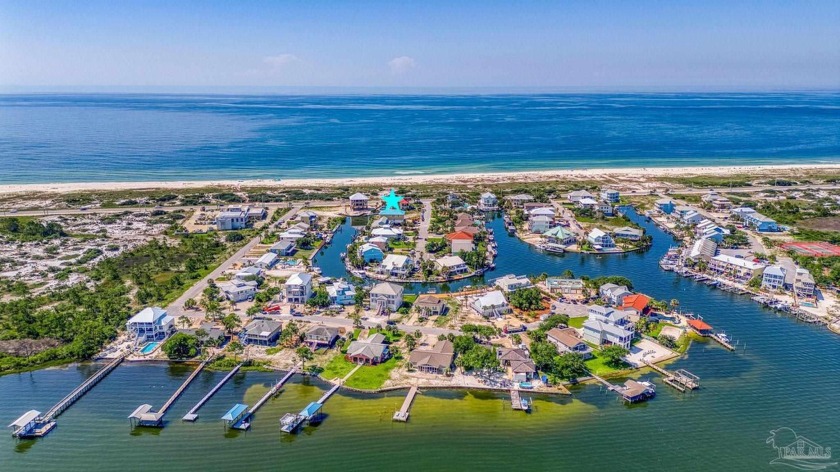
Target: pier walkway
405	410
681	380
723	342
290	422
33	424
145	415
186	384
632	391
192	415
244	422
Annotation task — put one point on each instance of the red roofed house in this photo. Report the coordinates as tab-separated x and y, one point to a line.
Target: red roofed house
636	303
700	327
460	241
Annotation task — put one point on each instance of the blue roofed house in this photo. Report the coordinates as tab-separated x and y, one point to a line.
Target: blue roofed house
150	324
371	253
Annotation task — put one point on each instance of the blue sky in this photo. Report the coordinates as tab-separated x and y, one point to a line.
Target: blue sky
630	45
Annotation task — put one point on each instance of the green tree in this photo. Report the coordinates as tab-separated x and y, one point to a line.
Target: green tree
526	299
235	348
230	322
478	357
180	346
320	298
190	304
410	342
613	355
304	354
569	366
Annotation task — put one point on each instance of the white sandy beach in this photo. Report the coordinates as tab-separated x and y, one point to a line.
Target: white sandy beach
647	173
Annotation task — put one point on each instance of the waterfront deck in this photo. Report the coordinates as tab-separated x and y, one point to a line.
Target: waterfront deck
192	415
290	422
405	410
681	379
39	425
517	402
632	391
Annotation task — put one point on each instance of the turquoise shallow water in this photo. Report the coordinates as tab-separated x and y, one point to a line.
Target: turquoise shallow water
80	138
786	377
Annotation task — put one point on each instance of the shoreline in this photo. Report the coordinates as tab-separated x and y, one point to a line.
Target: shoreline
417	179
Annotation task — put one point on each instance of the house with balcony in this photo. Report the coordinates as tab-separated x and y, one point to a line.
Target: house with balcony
359	202
150	324
451	265
566	288
396	265
488	202
298	287
803	284
261	332
491	305
386	296
773	278
320	336
559	235
510	282
614	294
578	195
600	240
741	270
341	293
568	340
665	205
238	290
369	351
370	252
610	195
606	326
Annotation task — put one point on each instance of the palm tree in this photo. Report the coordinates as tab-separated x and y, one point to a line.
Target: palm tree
304	354
410	342
190	303
184	321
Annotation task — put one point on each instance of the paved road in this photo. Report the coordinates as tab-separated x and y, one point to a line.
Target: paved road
423	230
335	322
176	308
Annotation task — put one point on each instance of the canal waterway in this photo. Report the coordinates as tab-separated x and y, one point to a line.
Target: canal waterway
786	377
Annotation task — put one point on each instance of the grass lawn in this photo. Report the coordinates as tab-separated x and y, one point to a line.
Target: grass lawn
372	377
392	336
577	322
597	366
338	366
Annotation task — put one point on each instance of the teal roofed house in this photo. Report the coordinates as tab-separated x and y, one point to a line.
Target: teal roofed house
559	235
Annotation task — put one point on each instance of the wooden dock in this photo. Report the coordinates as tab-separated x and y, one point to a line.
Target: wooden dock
326	396
245	422
681	380
192	415
185	384
722	341
517	402
632	391
405	410
290	422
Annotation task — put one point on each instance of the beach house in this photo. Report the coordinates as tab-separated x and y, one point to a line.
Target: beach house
460	241
519	200
429	305
803	285
369	351
396	265
451	265
587	203
628	233
610	195
539	224
606	326
266	261
577	195
150	324
600	240
741	270
298	287
261	332
370	253
559	235
238	290
665	205
637	304
691	217
568	340
614	294
358	202
232	218
386	296
341	293
755	220
510	282
703	250
433	360
488	202
320	336
773	277
283	248
388	232
567	288
491	305
518	362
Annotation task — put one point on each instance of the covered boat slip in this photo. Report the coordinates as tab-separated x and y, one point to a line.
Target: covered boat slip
290	422
145	416
31	425
237	417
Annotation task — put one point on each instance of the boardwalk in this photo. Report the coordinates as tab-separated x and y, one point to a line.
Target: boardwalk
402	415
192	415
244	422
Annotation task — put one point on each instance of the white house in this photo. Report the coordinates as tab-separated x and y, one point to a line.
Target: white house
238	290
691	217
601	331
577	195
610	195
804	285
511	282
358	202
491	304
266	261
451	265
614	294
539	224
387	232
739	269
605	208
487	202
298	287
231	219
396	265
518	200
600	240
587	203
386	295
248	273
559	235
773	278
703	249
627	232
543	211
150	324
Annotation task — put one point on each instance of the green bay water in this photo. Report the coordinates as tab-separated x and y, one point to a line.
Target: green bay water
786	377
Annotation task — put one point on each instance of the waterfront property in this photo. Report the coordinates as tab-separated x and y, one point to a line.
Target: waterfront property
261	332
614	294
559	235
518	362
238	290
510	282
283	248
491	305
266	261
703	250
396	265
320	336
600	240
370	252
359	202
637	303
451	265
568	340
539	224
773	278
298	287
567	288
665	206
803	284
488	202
386	296
150	324
429	305
607	326
610	195
371	350
741	270
460	241
628	233
341	293
433	360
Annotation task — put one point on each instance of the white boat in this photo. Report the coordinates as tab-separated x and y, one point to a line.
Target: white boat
549	247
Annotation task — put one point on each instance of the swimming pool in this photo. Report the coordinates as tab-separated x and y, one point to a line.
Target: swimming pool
149	347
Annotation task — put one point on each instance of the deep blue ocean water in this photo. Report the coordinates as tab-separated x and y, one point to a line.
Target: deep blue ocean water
99	137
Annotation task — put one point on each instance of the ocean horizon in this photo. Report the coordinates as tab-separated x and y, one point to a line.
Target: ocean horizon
67	138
